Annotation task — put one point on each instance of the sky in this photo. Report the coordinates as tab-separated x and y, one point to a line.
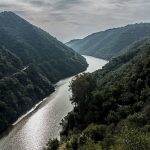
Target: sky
73	19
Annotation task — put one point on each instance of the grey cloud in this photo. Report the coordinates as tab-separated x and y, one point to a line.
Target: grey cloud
4	5
65	4
67	19
56	4
38	3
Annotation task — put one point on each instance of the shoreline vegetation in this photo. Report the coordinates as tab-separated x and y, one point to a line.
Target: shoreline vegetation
111	106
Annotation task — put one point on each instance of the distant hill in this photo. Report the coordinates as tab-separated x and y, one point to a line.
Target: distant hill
30	61
73	42
112	42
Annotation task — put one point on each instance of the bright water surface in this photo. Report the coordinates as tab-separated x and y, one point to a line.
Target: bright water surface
34	131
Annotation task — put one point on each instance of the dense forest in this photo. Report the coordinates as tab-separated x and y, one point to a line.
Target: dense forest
111	106
110	43
33	45
31	61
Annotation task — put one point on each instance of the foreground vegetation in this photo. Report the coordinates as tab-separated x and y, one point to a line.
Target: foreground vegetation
112	106
31	61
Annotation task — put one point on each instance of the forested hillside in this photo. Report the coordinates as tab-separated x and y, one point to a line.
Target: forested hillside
112	106
110	43
30	61
9	63
20	91
33	45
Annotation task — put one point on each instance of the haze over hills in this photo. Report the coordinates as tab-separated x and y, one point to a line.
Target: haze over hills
110	43
30	61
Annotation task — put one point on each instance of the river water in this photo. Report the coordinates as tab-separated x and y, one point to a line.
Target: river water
34	130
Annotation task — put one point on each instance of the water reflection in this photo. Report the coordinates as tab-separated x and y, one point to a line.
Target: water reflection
33	132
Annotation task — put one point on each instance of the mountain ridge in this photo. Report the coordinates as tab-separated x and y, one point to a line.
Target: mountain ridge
107	44
31	61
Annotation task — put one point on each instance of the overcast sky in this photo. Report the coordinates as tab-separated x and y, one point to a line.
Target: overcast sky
69	19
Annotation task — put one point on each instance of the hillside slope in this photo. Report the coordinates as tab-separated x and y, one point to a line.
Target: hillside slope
20	90
112	42
9	63
30	61
112	106
33	45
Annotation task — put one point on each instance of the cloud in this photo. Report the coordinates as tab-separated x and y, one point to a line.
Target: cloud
39	3
67	4
67	19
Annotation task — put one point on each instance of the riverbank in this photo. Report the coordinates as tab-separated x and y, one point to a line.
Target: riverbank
34	130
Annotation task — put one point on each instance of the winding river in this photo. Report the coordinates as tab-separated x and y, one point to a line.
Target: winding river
33	131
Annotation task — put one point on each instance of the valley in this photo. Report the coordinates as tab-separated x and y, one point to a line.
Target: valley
34	131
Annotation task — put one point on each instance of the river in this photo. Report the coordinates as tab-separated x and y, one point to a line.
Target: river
34	130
